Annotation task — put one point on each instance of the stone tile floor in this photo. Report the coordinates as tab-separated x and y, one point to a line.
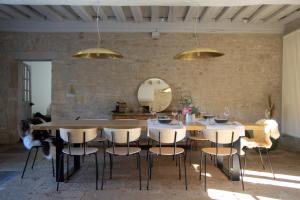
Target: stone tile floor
259	185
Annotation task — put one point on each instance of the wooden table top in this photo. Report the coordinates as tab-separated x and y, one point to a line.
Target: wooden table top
120	124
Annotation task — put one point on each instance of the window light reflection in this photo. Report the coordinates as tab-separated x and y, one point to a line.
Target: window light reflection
196	167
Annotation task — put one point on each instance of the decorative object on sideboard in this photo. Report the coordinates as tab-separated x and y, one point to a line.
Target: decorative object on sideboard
189	110
121	107
269	112
98	52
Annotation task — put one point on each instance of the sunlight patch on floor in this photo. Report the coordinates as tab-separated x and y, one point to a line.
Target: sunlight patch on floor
270	175
224	195
271	182
227	195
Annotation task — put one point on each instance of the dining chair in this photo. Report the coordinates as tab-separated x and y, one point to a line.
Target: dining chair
220	137
166	136
78	137
261	140
24	129
194	138
118	138
100	138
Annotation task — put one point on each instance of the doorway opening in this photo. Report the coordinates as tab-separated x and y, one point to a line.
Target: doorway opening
36	88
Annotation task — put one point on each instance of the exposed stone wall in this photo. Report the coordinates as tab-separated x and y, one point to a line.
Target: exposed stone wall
242	79
8	100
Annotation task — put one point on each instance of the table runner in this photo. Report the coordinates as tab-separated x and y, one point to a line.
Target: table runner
229	125
154	124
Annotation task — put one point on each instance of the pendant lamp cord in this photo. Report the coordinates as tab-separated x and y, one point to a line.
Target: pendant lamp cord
195	31
98	28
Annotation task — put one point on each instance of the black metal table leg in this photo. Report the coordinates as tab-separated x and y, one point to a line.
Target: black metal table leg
234	173
60	176
59	147
76	160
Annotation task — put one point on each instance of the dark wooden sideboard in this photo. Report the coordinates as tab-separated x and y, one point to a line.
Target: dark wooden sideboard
138	116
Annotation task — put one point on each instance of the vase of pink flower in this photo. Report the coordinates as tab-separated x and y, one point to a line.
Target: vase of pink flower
189	111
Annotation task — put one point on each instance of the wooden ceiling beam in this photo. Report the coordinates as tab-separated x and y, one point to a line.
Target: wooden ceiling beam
65	12
290	17
171	14
245	13
137	13
101	13
31	13
119	13
3	15
192	13
48	13
266	11
13	12
82	13
282	13
150	3
221	13
154	13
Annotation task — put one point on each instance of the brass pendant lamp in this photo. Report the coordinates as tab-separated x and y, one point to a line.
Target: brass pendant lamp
197	53
100	53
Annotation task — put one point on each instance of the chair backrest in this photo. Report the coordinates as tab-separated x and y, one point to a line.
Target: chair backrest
270	131
167	135
221	136
122	136
78	136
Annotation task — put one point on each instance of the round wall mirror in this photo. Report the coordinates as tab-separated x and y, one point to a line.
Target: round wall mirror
154	95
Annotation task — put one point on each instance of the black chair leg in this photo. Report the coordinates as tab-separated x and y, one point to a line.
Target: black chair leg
261	159
36	152
148	145
270	163
67	167
110	166
137	163
103	169
53	173
200	166
151	165
205	172
59	169
97	176
245	162
26	163
140	172
149	173
190	152
179	156
185	178
241	171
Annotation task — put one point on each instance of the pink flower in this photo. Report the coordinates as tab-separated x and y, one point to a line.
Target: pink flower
186	110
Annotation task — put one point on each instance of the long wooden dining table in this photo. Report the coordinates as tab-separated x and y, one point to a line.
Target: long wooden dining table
233	173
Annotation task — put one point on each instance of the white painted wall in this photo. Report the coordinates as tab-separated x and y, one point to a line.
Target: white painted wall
41	72
291	84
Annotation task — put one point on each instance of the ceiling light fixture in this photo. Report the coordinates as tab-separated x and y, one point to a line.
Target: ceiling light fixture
197	53
98	52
